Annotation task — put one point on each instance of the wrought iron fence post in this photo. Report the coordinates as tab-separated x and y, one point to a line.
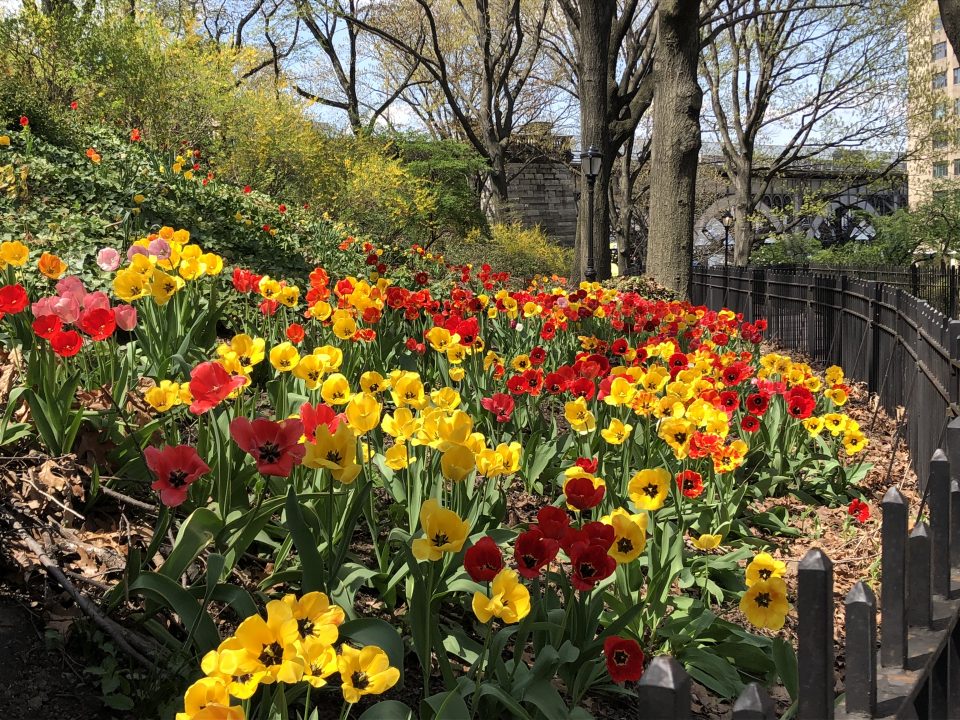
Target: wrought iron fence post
861	650
664	691
918	576
815	636
893	625
940	523
754	704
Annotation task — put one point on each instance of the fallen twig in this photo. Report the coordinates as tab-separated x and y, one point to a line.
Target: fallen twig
127	499
112	628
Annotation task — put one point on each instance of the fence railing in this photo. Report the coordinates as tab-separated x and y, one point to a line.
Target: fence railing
915	672
906	351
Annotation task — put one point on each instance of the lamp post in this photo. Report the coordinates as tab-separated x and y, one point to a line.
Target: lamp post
590	162
727	221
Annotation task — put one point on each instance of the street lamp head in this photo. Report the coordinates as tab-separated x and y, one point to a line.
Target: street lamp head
591	161
727	220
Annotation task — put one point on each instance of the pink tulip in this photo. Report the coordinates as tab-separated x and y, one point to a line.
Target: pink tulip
72	287
126	317
43	307
159	248
136	250
96	301
108	259
66	308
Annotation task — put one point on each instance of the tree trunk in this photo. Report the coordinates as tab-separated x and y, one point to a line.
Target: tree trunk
950	15
626	207
742	212
499	185
595	28
676	144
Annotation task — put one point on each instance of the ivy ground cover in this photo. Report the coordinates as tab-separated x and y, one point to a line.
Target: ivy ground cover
426	478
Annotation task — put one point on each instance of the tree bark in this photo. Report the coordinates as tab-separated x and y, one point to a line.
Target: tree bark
743	206
676	144
950	15
596	22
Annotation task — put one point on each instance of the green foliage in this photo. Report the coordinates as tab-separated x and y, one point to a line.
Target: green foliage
523	252
788	249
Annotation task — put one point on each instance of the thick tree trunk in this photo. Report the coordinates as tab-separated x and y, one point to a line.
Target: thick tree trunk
676	144
626	206
950	15
595	28
742	212
497	178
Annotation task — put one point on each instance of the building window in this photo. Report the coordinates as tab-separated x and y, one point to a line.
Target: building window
940	169
940	110
956	76
940	141
956	167
937	24
940	80
940	50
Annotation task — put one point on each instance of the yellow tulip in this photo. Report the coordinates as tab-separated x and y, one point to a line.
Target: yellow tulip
284	357
365	672
648	488
363	412
508	600
457	462
336	390
335	452
443	531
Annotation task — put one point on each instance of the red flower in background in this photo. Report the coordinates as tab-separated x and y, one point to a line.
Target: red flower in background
247	189
295	333
135	135
210	384
313	416
282	208
800	402
757	403
624	659
74	105
46	326
858	510
66	343
175	467
592	533
13	299
690	483
582	494
588	464
591	564
275	446
24	121
500	404
553	521
532	551
749	424
98	323
483	560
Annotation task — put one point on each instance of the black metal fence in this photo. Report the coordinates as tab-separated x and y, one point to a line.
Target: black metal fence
938	285
905	350
915	673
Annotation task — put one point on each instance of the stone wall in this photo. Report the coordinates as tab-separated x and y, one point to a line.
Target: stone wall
544	192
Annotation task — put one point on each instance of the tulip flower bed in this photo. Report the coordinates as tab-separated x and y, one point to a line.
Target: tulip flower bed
356	450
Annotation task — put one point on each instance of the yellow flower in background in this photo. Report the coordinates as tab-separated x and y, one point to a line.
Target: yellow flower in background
443	531
336	452
321	310
319	661
289	296
706	541
372	382
208	698
396	457
813	425
365	672
457	462
765	603
456	373
164	396
616	433
648	488
129	285
837	395
284	357
363	412
630	534
834	375
310	369
764	567
247	350
344	327
4	141
835	423
163	286
621	392
336	390
330	356
504	460
676	432
456	354
854	441
455	428
51	265
509	599
212	262
402	425
440	338
274	642
579	416
316	616
407	389
14	253
520	363
446	398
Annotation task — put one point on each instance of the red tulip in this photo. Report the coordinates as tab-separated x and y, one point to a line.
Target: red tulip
13	299
295	333
483	560
581	493
175	467
98	323
532	551
210	384
750	424
553	522
501	405
313	416
46	326
591	564
592	533
690	483
135	135
275	446
859	510
800	402
66	343
624	659
757	403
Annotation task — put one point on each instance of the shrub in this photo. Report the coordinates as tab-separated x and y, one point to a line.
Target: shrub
523	252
